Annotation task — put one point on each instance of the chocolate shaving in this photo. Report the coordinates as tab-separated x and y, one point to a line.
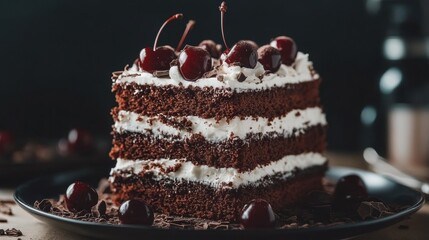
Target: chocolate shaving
13	232
241	77
3	220
7	201
161	73
211	73
116	74
45	205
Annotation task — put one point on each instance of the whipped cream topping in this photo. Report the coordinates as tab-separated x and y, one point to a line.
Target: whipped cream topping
294	122
181	170
255	79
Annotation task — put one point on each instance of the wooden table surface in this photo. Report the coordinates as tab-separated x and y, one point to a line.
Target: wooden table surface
414	228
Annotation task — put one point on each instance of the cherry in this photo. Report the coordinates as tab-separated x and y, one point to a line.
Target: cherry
254	44
270	58
211	47
80	196
6	141
158	58
135	212
79	141
188	28
287	48
258	214
349	192
242	54
194	62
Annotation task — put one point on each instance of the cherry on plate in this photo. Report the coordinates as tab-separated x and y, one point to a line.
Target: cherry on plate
135	212
80	196
258	214
349	192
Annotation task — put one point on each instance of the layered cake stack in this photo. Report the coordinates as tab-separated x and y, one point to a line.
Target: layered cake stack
205	147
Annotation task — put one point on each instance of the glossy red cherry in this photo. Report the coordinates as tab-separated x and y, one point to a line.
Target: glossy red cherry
253	43
258	214
80	196
194	62
349	192
158	58
242	54
211	47
7	139
287	48
270	58
80	141
135	212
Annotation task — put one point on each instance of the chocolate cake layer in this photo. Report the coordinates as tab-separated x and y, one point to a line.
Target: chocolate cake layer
198	200
237	153
209	102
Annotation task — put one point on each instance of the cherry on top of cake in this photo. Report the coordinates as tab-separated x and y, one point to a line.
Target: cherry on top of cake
194	61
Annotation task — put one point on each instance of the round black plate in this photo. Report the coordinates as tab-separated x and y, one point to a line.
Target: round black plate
378	186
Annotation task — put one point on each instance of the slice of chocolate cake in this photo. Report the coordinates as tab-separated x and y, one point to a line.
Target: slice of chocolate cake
205	146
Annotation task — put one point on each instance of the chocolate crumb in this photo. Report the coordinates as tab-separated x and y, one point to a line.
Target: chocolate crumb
241	77
45	205
6	210
7	201
13	232
2	233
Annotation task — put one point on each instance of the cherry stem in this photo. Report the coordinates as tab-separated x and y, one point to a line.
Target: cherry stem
174	17
188	28
222	10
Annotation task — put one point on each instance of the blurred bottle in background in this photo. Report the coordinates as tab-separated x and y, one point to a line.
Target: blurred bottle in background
397	123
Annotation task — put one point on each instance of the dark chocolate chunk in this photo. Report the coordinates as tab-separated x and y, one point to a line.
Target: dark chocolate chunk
161	74
13	232
241	77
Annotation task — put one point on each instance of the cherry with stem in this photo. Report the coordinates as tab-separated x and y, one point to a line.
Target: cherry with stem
243	53
158	58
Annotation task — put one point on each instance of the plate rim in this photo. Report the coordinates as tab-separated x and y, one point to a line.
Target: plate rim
373	224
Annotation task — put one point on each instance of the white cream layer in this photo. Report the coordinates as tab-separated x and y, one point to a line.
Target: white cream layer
216	177
294	122
297	73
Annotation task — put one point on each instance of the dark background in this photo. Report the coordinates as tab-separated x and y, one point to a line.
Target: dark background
57	56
